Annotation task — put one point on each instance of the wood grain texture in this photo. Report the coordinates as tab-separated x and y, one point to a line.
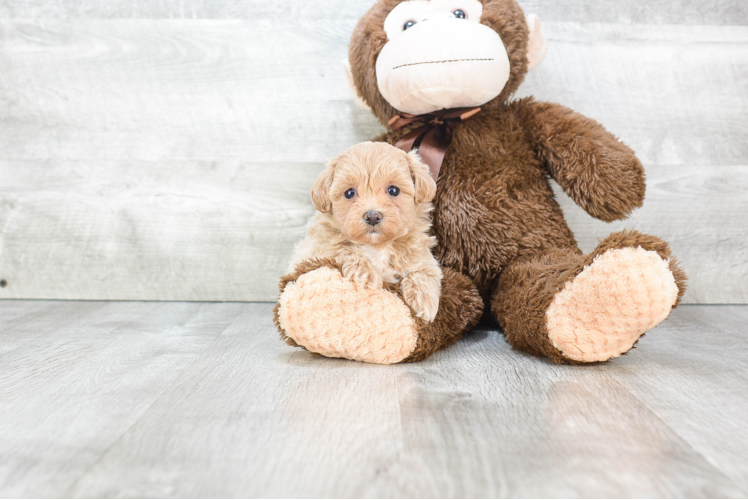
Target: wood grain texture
24	329
72	391
188	400
671	92
151	230
703	353
171	159
177	90
275	91
715	12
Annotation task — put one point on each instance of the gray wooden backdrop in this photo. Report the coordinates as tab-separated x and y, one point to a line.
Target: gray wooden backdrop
164	149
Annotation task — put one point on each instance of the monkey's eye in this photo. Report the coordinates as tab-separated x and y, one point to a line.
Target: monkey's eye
393	190
350	193
459	14
408	24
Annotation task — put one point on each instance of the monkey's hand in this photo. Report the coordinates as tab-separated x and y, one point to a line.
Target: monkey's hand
361	273
421	291
599	172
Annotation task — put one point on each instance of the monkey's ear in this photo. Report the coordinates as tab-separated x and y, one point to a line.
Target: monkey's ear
352	85
321	189
425	184
537	46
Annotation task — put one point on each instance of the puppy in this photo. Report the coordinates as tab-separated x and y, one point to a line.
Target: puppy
373	220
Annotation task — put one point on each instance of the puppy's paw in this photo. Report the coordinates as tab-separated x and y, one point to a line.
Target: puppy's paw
362	274
422	298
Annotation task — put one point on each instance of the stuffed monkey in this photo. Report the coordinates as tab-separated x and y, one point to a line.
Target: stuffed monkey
440	74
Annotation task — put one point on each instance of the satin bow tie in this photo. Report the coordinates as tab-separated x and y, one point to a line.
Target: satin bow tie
433	138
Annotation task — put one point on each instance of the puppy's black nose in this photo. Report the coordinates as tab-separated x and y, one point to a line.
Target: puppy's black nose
372	218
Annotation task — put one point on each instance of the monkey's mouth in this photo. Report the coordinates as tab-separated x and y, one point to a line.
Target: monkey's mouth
445	61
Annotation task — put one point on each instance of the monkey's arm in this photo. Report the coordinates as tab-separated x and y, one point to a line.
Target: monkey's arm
600	173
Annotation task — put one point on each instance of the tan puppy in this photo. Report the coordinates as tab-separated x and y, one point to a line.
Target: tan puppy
374	204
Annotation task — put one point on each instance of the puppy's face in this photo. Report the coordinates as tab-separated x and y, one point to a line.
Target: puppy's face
372	191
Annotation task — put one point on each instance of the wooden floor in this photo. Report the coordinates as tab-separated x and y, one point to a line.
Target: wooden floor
138	399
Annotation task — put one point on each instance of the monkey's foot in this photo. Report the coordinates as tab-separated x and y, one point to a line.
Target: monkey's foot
602	312
323	312
327	314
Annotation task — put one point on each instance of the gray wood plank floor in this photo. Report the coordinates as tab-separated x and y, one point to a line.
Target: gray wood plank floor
143	399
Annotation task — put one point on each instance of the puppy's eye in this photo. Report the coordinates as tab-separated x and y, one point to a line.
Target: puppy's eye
393	190
350	193
459	14
408	24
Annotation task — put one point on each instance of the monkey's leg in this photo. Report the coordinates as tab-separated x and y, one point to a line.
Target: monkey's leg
576	308
323	312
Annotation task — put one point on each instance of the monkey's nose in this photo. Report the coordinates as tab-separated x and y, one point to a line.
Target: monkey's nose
373	218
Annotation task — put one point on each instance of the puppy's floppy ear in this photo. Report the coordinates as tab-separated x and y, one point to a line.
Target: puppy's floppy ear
424	183
321	188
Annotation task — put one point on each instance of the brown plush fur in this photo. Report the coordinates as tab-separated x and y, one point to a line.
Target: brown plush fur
495	215
460	308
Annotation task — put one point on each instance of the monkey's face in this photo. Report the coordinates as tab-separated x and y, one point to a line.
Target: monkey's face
421	56
439	56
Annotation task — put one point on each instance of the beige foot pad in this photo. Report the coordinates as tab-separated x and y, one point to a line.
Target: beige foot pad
325	313
602	312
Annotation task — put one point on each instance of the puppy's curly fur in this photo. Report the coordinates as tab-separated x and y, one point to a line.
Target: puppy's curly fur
396	189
